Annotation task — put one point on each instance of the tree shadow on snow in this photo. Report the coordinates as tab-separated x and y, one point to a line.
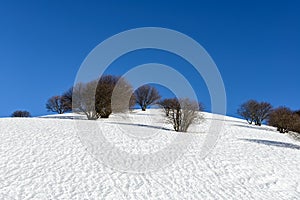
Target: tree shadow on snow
254	127
273	143
225	120
142	125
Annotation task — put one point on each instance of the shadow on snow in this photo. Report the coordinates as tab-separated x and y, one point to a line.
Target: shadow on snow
273	143
142	125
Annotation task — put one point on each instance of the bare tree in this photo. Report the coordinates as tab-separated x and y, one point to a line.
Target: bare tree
182	113
166	104
57	104
254	111
94	98
282	118
66	99
297	112
83	99
21	113
263	110
132	102
146	95
113	94
247	110
296	126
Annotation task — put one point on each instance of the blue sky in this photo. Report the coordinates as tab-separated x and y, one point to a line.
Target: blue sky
255	44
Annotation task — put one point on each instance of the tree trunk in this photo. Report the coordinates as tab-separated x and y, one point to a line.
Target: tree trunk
167	112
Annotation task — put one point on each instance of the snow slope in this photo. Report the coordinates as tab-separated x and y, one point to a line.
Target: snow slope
44	158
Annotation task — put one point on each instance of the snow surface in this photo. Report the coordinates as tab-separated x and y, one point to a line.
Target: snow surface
44	158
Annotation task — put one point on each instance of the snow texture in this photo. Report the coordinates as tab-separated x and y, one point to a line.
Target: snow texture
44	158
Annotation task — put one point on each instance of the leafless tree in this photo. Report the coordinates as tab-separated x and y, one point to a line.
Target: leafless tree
21	113
254	111
94	98
83	99
132	102
282	118
66	99
263	111
146	95
57	104
247	110
166	104
296	127
113	94
182	113
297	112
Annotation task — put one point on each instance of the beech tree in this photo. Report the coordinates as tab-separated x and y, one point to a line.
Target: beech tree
58	104
166	104
247	110
254	111
94	98
146	95
67	99
21	113
182	113
297	112
83	99
262	112
104	104
283	118
296	126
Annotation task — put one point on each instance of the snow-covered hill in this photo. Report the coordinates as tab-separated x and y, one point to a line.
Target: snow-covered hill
44	158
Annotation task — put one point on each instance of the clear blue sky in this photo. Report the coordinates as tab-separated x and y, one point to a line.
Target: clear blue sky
255	44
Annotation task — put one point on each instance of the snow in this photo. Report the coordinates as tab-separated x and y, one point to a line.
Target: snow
48	158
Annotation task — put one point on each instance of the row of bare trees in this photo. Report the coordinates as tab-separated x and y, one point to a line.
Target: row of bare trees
144	96
100	98
283	118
